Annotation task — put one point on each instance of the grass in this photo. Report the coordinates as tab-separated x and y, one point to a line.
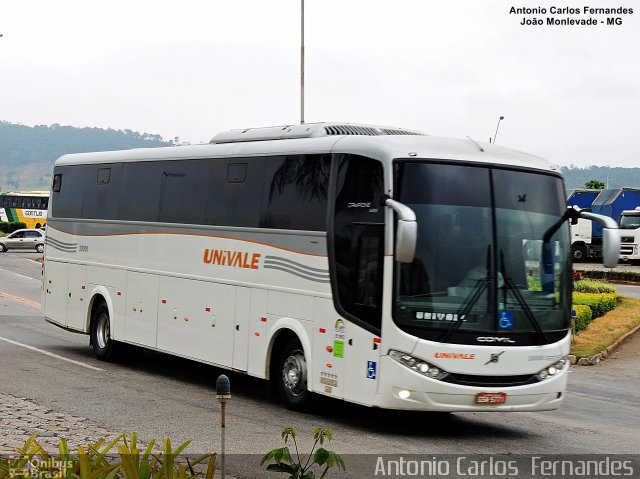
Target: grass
604	331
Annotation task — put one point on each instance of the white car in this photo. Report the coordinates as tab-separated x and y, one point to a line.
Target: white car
24	239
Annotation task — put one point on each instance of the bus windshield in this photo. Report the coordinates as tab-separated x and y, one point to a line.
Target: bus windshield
488	258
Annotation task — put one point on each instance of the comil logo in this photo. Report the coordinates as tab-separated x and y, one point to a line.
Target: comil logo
234	259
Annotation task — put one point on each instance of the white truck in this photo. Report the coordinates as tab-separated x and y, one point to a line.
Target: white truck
630	232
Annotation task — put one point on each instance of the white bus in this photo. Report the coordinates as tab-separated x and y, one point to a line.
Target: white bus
380	266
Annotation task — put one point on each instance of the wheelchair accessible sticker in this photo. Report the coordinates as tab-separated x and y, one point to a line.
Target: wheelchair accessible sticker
371	369
505	320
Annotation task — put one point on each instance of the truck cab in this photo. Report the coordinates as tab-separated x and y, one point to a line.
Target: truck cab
630	235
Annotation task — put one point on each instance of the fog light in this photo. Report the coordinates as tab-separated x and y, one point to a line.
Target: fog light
404	394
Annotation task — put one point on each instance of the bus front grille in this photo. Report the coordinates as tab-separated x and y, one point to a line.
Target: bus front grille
490	381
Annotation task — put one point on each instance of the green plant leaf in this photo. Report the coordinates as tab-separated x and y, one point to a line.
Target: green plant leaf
321	456
211	468
268	456
288	432
321	434
282	467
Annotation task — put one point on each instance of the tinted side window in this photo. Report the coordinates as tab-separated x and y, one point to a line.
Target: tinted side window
295	193
101	197
67	201
358	238
244	180
140	191
184	191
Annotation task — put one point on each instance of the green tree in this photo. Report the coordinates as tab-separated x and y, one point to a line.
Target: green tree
594	185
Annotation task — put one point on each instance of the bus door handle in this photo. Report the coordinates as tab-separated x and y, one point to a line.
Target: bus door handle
237	327
350	342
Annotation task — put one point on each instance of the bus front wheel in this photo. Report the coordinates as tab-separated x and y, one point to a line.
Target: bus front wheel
103	346
292	377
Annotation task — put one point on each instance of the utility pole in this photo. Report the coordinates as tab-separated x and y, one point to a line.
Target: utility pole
301	62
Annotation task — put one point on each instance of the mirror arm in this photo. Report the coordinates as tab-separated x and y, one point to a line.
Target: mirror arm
404	212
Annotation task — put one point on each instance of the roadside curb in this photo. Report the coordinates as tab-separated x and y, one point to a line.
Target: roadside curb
593	360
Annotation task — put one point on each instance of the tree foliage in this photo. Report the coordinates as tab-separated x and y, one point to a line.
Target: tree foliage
594	185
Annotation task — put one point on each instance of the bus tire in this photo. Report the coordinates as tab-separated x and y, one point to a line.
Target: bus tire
104	347
40	248
292	377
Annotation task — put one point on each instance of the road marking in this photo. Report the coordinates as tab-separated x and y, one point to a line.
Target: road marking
20	299
21	275
47	353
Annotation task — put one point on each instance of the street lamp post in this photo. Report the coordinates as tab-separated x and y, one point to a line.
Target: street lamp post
301	62
223	394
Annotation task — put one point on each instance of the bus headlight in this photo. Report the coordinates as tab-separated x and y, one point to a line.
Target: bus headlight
552	370
418	365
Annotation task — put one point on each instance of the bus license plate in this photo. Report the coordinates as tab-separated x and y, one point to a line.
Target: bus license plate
491	398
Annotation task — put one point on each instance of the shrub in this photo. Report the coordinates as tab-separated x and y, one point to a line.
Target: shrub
592	286
600	304
6	227
612	275
120	459
582	318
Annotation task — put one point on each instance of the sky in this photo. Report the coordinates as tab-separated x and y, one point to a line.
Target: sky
193	68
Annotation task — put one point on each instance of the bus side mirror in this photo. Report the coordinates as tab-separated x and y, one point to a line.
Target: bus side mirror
610	238
610	246
406	231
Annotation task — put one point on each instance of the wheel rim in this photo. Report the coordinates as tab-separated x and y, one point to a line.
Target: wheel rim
294	373
40	248
102	331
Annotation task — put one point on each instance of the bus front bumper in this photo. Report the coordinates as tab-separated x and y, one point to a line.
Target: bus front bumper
406	389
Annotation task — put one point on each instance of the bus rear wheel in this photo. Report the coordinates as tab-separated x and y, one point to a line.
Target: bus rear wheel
292	377
105	348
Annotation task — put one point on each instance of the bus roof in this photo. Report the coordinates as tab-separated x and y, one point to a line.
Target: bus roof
382	143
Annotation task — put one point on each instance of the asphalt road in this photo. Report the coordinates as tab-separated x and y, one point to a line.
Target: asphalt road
158	395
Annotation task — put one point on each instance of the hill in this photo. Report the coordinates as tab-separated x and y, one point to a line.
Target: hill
613	177
28	153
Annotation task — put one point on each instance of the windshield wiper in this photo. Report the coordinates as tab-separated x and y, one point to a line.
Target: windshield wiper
542	338
471	300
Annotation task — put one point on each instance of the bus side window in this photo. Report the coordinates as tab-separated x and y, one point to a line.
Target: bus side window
68	201
357	250
295	192
243	193
57	183
184	191
140	191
